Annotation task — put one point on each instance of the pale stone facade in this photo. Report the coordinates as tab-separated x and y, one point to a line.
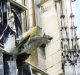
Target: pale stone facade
50	26
46	15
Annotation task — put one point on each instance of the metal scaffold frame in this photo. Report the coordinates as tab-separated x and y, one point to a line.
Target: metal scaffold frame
69	42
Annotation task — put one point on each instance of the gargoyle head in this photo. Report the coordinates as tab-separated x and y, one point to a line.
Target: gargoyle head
32	44
46	39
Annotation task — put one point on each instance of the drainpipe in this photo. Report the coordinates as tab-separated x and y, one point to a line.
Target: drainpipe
31	13
33	10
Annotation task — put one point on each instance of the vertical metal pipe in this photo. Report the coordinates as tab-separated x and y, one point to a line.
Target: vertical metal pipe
31	13
33	10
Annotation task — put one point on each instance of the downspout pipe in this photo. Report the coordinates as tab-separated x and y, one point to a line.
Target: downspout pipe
33	10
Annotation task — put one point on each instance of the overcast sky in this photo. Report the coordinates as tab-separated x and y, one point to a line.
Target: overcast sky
77	16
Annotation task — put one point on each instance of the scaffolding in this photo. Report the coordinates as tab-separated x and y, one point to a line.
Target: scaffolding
69	42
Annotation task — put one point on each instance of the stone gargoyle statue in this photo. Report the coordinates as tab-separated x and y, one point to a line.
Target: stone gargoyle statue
28	42
34	42
30	45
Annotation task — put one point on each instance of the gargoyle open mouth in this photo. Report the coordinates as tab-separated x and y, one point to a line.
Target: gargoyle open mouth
50	38
43	46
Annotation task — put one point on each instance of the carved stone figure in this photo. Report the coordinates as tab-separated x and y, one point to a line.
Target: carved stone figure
31	45
35	42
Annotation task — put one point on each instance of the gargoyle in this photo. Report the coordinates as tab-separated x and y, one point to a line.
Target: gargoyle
35	42
31	45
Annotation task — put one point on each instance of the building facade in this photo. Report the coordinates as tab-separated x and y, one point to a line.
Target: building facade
49	16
